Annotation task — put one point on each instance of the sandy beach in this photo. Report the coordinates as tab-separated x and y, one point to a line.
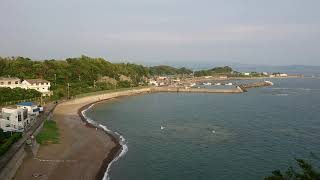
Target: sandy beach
83	151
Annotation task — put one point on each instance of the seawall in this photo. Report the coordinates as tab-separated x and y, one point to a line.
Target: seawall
195	90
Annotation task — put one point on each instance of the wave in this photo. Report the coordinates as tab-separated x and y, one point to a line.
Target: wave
282	94
122	141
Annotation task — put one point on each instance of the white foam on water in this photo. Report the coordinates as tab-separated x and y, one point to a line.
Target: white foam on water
282	94
119	137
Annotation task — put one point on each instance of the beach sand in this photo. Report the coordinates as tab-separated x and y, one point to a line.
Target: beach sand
79	154
83	152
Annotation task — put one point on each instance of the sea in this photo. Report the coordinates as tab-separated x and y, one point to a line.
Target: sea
214	136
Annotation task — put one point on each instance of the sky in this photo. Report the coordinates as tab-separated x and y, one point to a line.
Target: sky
265	32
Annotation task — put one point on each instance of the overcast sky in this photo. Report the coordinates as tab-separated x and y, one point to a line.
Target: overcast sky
276	32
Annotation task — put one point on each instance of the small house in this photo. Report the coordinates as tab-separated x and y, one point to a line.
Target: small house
14	119
32	109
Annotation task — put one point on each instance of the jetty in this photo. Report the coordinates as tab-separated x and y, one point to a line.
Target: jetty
196	90
244	87
240	88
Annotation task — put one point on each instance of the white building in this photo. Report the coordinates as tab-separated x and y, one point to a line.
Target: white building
162	78
11	82
153	83
246	74
32	109
283	75
14	119
40	85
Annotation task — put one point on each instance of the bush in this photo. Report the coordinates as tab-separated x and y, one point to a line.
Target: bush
4	147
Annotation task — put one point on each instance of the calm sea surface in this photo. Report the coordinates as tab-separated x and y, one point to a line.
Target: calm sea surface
215	136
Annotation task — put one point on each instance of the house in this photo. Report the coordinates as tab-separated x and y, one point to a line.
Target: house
40	85
11	82
124	78
223	77
162	78
153	83
246	74
107	79
283	75
32	109
14	119
176	80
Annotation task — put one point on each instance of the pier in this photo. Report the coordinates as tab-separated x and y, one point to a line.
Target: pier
196	90
240	88
244	87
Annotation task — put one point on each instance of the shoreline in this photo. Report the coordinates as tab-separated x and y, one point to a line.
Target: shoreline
92	149
114	152
80	137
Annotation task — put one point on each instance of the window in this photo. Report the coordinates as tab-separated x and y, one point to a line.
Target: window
1	83
8	118
16	82
9	82
19	117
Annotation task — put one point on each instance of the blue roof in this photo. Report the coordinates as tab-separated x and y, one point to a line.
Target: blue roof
26	104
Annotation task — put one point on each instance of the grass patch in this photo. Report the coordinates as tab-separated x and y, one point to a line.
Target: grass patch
49	133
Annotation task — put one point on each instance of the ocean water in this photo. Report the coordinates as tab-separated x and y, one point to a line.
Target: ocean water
215	136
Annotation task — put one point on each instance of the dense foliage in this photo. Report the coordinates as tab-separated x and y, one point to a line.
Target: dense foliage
8	94
214	71
306	172
7	139
168	70
82	73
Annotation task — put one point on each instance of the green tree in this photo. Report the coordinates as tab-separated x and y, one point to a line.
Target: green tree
307	172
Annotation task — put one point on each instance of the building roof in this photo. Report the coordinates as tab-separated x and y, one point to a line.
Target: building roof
33	81
9	79
26	104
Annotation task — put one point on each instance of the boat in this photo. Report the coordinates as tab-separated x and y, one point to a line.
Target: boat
229	84
207	84
162	127
192	84
217	84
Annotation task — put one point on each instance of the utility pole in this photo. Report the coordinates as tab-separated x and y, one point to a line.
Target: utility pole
94	83
68	90
55	79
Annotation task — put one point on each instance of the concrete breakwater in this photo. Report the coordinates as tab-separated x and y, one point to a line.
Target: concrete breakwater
256	85
195	90
224	78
